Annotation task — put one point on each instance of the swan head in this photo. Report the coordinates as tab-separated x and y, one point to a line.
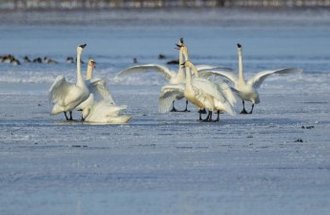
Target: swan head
91	63
90	68
180	44
80	48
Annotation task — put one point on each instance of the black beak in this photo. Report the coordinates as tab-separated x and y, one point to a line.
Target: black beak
181	40
83	46
178	46
239	45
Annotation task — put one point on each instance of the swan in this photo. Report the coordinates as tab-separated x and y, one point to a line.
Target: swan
247	89
171	76
205	94
66	96
100	107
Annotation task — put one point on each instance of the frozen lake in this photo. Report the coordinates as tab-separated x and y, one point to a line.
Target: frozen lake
275	161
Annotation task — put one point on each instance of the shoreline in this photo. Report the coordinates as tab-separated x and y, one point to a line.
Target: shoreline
168	16
140	4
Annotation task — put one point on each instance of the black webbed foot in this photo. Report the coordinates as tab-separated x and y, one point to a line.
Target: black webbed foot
244	111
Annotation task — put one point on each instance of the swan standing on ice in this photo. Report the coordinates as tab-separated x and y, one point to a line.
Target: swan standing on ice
100	106
66	96
247	90
204	94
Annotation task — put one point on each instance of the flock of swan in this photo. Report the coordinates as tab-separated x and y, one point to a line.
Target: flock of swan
191	82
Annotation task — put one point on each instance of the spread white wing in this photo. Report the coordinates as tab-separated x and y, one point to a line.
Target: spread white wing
258	78
59	89
99	88
168	74
219	71
168	94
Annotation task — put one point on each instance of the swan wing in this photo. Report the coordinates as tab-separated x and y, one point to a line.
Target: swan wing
227	92
59	89
207	88
204	66
258	78
219	96
168	94
219	71
146	68
99	88
104	112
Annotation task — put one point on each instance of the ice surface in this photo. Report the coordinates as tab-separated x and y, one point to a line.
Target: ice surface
275	161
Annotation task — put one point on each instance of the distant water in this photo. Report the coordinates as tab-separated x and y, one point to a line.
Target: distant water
270	39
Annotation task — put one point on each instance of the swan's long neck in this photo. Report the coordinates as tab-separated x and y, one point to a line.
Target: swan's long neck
240	65
188	76
194	69
80	80
89	73
185	54
181	72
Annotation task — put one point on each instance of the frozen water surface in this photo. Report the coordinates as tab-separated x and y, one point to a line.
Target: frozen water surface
275	161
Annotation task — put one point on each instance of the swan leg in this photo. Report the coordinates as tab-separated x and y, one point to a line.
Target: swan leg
251	109
208	117
218	116
66	116
186	109
200	115
173	108
244	110
70	115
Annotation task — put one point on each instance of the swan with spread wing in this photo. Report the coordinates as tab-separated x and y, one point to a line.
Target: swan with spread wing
66	96
247	89
100	106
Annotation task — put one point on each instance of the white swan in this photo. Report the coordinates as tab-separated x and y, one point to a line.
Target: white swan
247	90
204	94
66	96
100	106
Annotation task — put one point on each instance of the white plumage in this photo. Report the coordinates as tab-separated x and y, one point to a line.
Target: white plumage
174	78
100	106
66	96
204	94
247	90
